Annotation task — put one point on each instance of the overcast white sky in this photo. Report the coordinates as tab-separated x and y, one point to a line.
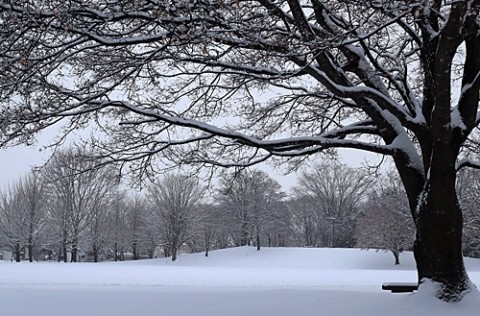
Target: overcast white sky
16	162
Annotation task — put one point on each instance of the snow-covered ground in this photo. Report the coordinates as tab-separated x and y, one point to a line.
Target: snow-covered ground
231	282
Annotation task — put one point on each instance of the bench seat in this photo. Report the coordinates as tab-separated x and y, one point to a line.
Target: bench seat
400	287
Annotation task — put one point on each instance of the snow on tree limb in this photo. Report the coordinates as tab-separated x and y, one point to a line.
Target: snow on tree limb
293	43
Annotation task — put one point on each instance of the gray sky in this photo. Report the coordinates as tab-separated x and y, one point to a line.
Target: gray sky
16	162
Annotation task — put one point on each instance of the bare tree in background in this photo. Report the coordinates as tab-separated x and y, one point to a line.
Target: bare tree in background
386	222
250	199
98	232
23	213
235	201
136	215
210	226
152	232
161	78
80	191
34	203
118	224
306	222
176	200
468	188
334	191
222	226
278	231
205	233
11	229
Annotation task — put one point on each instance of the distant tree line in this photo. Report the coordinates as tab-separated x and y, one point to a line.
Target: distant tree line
71	210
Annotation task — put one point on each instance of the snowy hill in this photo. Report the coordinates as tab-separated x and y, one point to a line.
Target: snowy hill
298	258
230	282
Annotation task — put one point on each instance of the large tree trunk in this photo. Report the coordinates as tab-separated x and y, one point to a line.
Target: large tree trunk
438	217
438	244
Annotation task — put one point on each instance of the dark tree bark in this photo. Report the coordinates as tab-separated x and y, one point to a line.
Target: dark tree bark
64	250
167	251
30	237
30	249
438	244
244	239
18	255
134	250
95	251
174	250
115	250
74	251
396	255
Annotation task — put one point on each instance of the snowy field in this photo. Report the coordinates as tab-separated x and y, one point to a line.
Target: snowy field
232	282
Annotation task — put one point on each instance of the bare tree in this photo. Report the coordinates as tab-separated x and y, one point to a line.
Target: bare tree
12	229
210	226
386	222
306	222
334	191
206	232
251	200
161	77
221	226
279	231
468	188
34	202
176	200
11	224
96	232
80	190
137	211
118	226
23	216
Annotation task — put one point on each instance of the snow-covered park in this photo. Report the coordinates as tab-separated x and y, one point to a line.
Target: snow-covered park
238	281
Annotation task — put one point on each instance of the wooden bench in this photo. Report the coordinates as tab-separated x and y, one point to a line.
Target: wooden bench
400	287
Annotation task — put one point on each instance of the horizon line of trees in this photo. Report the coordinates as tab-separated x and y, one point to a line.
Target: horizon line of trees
71	210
